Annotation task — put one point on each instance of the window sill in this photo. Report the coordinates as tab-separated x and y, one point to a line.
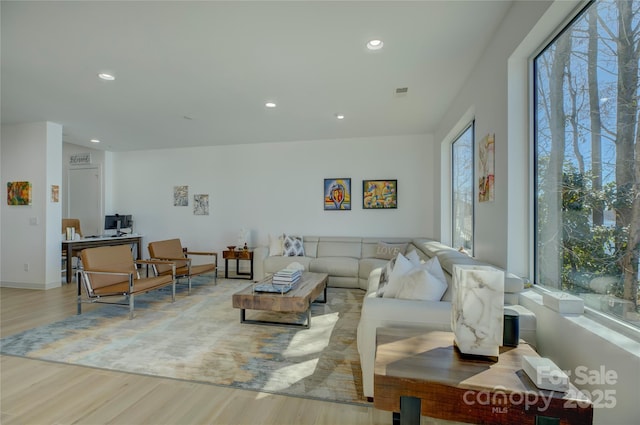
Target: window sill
604	326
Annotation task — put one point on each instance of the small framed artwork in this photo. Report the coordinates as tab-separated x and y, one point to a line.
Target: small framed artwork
379	194
486	181
55	193
180	196
19	193
337	194
200	204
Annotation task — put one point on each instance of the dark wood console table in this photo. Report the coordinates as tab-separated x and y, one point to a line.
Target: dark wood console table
418	371
242	254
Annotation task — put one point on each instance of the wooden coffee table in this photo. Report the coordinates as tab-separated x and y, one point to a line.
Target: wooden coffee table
297	300
418	371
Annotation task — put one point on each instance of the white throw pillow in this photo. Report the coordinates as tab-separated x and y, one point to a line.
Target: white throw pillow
419	284
425	281
293	246
275	246
401	268
413	257
435	269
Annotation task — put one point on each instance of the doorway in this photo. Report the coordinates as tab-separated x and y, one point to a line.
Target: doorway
84	197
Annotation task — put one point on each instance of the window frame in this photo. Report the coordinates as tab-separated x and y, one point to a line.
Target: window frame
609	321
468	127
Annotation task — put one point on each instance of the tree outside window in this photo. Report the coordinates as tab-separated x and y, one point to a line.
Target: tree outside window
587	159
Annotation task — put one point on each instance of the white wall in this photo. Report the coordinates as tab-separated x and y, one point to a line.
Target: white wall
69	149
31	233
275	188
497	94
485	94
579	345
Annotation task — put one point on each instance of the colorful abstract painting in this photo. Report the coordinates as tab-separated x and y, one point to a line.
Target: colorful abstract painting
337	194
379	194
486	180
19	193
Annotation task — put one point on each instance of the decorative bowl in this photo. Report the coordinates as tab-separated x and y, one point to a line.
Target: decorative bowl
231	247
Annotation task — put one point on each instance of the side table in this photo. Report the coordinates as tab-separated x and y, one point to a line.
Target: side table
418	371
242	254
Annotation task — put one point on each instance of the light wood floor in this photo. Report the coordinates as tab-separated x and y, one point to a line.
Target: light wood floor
38	392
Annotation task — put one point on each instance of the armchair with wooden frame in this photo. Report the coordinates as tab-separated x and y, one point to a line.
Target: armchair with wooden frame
171	250
110	271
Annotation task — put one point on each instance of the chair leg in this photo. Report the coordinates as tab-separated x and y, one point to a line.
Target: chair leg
130	306
189	279
173	291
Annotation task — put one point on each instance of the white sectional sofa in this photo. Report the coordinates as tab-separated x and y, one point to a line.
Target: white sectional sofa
347	260
353	262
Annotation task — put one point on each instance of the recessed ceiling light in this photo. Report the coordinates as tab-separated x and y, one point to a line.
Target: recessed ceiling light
106	76
340	116
94	141
270	105
375	44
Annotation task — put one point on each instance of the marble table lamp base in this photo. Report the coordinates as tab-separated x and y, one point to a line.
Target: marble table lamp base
477	309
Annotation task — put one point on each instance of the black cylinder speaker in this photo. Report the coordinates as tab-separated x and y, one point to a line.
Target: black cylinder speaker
511	329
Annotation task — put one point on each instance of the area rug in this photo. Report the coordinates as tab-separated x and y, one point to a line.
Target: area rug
200	338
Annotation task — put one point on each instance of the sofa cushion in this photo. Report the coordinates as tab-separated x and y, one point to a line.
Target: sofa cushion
386	251
450	257
513	283
367	265
273	264
340	247
293	246
335	266
275	245
430	246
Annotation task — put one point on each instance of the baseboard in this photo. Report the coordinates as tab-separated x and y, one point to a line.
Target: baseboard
30	285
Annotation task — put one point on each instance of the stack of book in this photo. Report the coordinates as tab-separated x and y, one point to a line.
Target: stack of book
286	277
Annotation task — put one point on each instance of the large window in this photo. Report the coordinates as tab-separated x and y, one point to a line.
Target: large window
462	190
587	159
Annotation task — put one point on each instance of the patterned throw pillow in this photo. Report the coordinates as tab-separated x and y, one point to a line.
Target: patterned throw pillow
293	246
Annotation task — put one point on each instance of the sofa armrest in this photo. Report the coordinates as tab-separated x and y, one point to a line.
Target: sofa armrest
259	255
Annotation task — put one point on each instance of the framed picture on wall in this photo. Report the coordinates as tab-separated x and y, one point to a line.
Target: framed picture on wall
337	194
379	194
19	193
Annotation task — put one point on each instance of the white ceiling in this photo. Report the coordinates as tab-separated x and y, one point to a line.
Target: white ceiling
217	63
